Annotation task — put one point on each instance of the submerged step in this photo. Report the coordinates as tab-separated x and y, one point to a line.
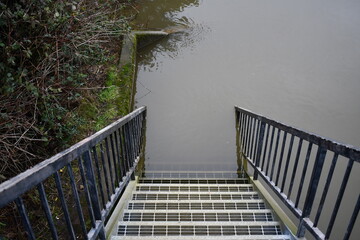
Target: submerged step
192	174
193	181
196	188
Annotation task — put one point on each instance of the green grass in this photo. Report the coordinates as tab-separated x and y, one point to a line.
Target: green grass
108	104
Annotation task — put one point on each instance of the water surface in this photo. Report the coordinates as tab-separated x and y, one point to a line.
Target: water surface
294	61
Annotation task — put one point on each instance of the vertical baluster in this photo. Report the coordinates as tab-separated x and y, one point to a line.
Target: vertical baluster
137	130
275	153
295	167
281	158
118	148
46	208
87	195
64	206
352	219
133	127
126	148
256	145
326	188
339	198
92	189
141	132
242	133
246	134
287	162
258	154
125	162
132	137
270	150
248	148
130	142
265	148
96	160
77	201
24	218
252	139
303	174
113	183
113	151
128	145
241	130
102	157
248	137
311	193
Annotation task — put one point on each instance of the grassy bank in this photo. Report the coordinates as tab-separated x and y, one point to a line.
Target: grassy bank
59	76
60	82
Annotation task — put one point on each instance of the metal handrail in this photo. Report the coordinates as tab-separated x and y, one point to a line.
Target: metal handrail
106	162
256	135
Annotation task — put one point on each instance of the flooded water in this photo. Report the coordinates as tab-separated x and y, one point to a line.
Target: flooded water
295	61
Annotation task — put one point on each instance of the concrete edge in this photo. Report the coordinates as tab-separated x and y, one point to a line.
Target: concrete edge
131	43
280	213
111	224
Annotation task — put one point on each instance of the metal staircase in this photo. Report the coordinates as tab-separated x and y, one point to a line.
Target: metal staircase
197	208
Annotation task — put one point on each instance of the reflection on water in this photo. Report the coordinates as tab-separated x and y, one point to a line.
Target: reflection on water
180	39
161	14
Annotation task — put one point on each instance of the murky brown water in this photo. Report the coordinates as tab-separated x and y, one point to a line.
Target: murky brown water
295	61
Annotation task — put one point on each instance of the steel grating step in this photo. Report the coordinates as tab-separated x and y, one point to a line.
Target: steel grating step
198	228
186	196
197	188
198	205
234	216
227	237
193	181
192	174
197	208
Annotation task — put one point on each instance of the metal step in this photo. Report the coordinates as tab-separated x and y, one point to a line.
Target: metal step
193	181
197	208
199	205
186	196
235	237
192	174
196	188
198	228
196	216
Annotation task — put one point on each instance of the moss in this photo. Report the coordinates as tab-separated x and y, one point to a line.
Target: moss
108	104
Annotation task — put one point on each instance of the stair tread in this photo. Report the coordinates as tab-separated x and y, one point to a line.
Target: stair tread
234	237
194	193
199	201
200	211
197	208
215	223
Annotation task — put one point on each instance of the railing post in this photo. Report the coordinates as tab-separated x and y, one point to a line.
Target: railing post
313	184
259	149
91	181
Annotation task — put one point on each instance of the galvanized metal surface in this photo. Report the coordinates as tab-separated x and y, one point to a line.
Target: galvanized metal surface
191	217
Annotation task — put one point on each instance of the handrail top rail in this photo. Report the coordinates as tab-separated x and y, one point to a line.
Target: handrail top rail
345	150
21	183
